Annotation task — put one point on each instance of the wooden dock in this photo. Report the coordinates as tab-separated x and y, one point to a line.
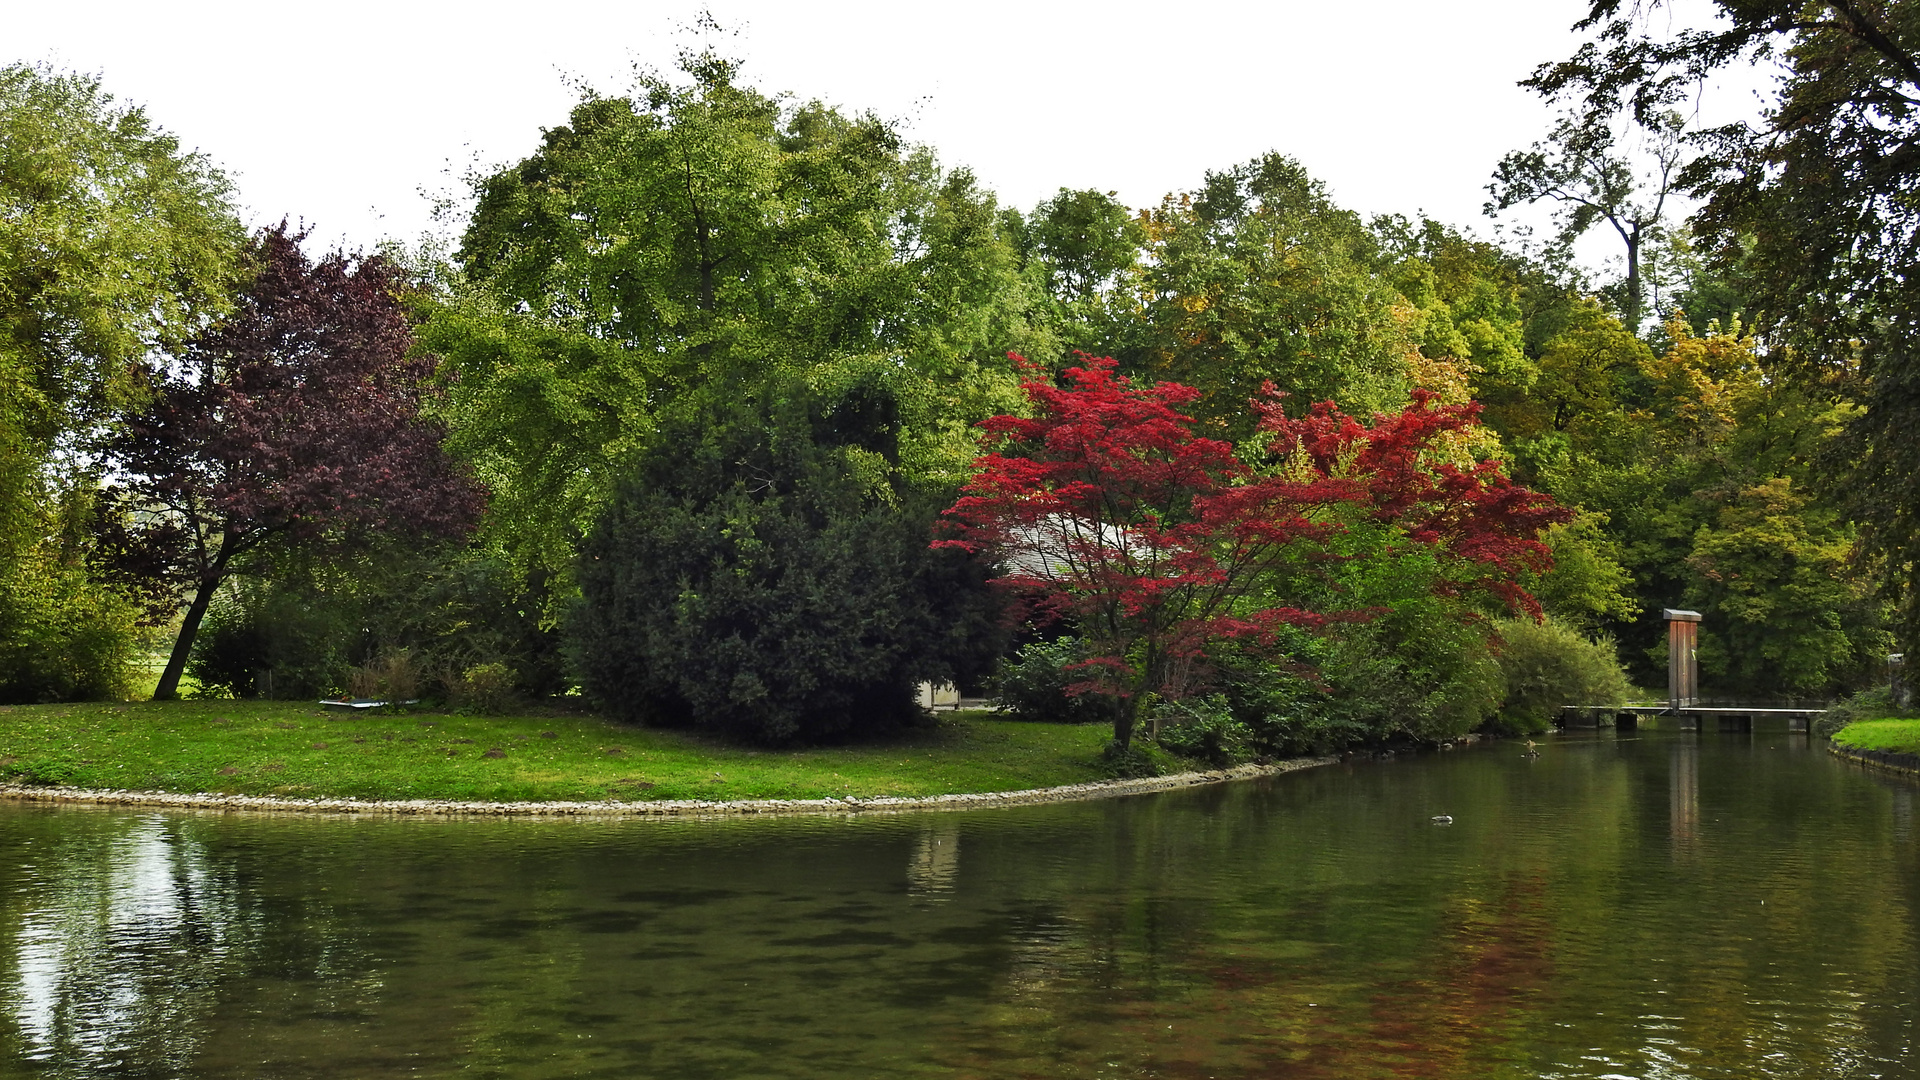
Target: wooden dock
1691	717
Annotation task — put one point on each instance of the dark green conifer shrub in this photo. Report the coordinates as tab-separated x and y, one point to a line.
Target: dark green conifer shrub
765	572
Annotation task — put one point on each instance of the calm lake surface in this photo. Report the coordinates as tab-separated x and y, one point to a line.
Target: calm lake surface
1659	905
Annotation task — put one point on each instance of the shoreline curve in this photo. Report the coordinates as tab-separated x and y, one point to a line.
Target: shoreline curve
1892	761
680	809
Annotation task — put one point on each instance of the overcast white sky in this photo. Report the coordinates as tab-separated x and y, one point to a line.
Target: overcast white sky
343	113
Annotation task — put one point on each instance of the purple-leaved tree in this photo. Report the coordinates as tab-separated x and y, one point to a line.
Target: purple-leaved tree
296	419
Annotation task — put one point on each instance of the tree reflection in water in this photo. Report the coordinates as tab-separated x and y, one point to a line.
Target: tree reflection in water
122	945
1671	905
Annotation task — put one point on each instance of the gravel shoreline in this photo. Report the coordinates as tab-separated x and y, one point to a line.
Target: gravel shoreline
665	808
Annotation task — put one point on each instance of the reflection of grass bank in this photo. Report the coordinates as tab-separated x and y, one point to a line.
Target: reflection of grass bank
298	750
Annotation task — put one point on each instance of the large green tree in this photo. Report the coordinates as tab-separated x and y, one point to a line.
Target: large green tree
1812	204
694	237
1085	249
113	242
1257	276
1583	168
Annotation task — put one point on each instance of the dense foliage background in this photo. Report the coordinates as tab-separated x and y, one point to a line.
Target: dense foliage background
713	359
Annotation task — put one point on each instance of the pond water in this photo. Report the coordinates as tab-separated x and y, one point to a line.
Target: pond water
1659	905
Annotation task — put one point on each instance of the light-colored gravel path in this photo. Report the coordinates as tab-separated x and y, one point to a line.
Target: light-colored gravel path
665	808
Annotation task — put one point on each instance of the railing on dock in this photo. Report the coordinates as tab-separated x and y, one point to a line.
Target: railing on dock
1691	718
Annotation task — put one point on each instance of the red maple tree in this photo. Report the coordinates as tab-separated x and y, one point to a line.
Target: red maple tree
298	417
1107	508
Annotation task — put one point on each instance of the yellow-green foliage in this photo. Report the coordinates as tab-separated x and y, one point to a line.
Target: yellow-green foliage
485	688
1550	664
1868	720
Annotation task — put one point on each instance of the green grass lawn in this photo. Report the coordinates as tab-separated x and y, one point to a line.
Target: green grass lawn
1895	734
304	751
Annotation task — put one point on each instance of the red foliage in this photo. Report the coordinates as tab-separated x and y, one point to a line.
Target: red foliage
1108	508
297	417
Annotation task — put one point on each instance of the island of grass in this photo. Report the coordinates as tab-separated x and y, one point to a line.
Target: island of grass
304	751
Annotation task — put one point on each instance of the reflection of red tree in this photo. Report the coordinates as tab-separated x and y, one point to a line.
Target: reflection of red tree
1268	1018
1267	1014
1490	965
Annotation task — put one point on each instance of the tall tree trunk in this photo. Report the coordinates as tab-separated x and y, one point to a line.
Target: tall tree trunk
169	687
1125	709
1633	280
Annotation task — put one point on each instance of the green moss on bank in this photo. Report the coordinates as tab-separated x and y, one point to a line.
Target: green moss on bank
302	751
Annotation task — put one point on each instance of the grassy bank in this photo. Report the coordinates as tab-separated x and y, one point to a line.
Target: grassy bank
300	750
1894	734
1869	721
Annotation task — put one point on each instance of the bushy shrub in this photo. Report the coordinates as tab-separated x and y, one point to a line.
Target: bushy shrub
1033	683
392	677
1290	716
1874	704
1204	730
765	572
1547	665
1136	760
63	635
272	639
484	688
300	625
1421	671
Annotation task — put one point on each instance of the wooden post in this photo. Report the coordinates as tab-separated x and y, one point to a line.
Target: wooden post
1683	666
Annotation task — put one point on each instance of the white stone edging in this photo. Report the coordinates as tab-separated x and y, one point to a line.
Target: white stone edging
674	808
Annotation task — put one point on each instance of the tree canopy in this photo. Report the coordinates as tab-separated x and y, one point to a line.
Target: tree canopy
689	240
1810	208
1257	276
716	357
114	241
